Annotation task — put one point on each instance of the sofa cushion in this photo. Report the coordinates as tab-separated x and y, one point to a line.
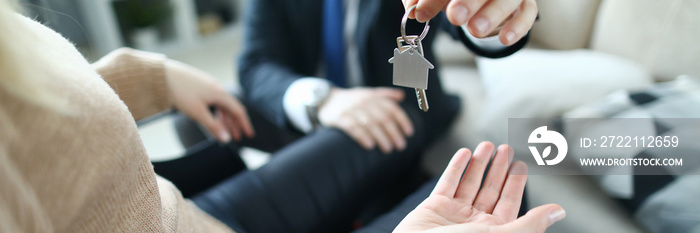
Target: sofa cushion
564	24
660	35
547	83
667	200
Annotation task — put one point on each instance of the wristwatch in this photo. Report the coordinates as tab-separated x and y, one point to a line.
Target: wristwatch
313	102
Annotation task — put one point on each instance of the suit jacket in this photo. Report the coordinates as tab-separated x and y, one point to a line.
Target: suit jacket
283	42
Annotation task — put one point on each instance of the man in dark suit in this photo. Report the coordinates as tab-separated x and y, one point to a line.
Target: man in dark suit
287	43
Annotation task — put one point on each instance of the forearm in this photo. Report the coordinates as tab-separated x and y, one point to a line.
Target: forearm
139	78
264	88
268	61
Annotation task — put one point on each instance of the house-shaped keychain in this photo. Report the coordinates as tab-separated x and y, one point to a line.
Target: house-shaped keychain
410	68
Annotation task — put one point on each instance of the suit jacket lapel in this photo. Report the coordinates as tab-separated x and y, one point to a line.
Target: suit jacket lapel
306	18
367	16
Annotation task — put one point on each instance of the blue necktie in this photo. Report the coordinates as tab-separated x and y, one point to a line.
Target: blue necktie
333	43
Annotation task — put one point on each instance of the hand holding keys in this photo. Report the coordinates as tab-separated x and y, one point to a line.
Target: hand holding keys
410	67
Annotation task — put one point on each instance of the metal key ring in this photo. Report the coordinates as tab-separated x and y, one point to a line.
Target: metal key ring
403	26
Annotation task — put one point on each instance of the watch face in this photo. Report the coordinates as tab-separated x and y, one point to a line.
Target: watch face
315	96
318	93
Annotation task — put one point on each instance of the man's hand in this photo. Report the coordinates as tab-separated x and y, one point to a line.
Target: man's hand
194	91
371	116
510	19
463	206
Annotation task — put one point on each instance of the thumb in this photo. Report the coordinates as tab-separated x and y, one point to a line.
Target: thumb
391	93
536	220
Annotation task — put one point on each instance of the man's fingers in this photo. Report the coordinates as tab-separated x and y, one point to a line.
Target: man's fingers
449	181
399	115
356	131
389	92
471	181
512	193
427	9
385	121
460	11
536	220
375	129
520	24
407	4
456	10
491	190
395	135
491	15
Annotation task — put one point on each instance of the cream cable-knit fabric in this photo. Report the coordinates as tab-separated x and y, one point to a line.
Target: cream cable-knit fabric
87	171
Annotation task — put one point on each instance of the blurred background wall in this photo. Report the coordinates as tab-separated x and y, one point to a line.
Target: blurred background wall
167	26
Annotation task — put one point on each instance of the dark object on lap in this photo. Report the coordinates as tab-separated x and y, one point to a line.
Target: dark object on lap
205	164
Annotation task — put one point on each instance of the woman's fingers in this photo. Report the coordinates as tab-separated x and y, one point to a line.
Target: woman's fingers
512	193
237	112
201	114
228	122
449	181
471	181
536	220
491	189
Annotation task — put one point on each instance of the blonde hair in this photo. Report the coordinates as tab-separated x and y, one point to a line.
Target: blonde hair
19	74
23	74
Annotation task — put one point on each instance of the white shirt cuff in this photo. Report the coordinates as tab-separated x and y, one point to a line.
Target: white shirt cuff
489	44
297	95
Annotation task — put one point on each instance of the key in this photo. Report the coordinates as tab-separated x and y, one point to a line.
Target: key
411	68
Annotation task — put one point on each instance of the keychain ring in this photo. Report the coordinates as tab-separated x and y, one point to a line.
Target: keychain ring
403	26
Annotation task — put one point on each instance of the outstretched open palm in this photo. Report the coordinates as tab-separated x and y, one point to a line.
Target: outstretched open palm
459	203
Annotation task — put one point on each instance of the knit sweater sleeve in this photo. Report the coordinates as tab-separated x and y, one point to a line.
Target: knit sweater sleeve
139	78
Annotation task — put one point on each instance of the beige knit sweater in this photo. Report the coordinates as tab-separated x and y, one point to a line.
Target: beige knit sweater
87	170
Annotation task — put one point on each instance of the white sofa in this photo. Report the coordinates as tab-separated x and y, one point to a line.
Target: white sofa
629	44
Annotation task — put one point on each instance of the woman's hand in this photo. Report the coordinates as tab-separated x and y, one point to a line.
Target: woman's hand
510	19
463	206
195	91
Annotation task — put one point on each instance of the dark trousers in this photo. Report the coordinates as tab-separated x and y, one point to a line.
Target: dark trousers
320	182
307	193
317	183
206	162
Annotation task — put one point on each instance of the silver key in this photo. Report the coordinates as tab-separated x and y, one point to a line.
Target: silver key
411	68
